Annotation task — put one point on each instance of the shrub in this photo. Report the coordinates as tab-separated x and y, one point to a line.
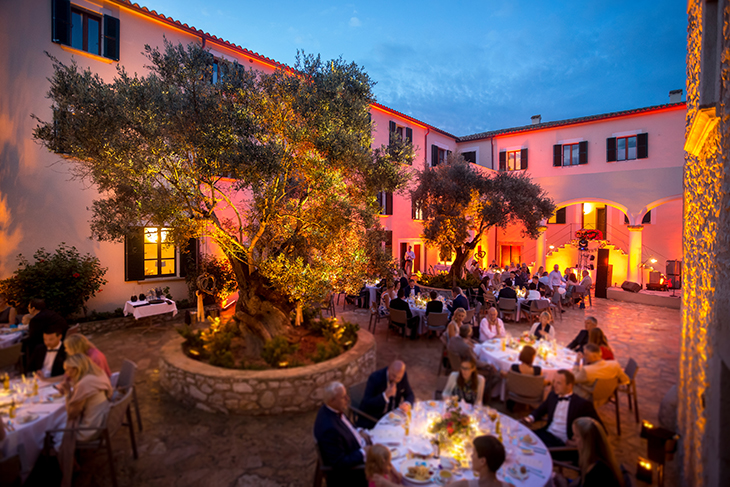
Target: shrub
326	351
277	350
65	279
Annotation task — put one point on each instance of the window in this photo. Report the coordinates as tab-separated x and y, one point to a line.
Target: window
558	217
159	256
84	30
627	148
405	133
644	221
416	211
470	156
386	203
513	160
438	155
149	254
570	154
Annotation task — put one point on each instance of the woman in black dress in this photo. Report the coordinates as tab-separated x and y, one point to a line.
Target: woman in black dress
598	466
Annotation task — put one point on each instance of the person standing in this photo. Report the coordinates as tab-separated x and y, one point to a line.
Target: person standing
410	257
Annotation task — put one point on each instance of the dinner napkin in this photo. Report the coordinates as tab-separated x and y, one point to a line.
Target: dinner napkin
533	462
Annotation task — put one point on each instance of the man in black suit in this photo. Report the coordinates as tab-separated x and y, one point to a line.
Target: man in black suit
581	339
458	301
434	306
387	389
48	358
412	288
40	320
562	407
413	321
507	291
341	446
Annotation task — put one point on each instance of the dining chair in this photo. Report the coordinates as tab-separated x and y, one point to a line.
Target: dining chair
125	381
375	318
631	369
10	472
469	318
606	390
398	319
10	356
321	470
114	421
507	306
73	330
356	393
437	322
525	389
579	292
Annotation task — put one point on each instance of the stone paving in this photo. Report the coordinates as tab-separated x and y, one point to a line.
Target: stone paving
187	447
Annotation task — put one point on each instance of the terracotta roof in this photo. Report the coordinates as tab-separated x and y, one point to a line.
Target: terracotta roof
570	121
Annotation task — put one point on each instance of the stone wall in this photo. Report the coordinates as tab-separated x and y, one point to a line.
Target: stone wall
260	392
103	326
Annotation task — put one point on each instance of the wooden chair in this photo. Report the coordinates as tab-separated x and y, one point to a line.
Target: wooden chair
375	318
356	393
437	322
114	421
507	306
10	472
10	356
631	369
525	389
469	319
606	390
73	330
125	381
489	300
535	309
321	470
398	318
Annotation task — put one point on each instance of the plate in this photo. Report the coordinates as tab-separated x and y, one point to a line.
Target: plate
421	447
28	418
396	452
528	440
519	473
526	450
413	463
394	418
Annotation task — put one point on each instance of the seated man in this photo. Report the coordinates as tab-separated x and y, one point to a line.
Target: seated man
47	359
387	389
38	320
413	321
596	368
458	300
491	326
412	289
562	407
586	282
581	339
434	306
341	446
507	291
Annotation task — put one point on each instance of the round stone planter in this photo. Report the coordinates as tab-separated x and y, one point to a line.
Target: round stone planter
260	392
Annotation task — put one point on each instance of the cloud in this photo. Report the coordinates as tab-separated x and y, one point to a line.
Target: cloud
355	22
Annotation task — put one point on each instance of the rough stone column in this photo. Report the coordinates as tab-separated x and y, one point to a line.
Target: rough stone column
540	247
633	273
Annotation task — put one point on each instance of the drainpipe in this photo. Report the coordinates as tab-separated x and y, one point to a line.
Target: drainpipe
425	148
491	143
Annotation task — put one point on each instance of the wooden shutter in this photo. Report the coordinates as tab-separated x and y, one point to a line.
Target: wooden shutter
61	22
134	255
583	152
560	215
391	126
189	257
388	203
414	207
503	161
111	37
409	135
523	159
642	146
434	155
557	155
611	149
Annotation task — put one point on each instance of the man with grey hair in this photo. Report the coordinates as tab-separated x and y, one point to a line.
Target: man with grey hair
581	338
342	447
387	389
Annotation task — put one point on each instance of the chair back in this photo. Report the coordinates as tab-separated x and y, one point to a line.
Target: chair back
525	389
438	321
631	369
468	320
126	375
603	390
10	470
398	316
73	330
578	289
357	392
538	305
489	298
115	418
10	355
455	361
507	304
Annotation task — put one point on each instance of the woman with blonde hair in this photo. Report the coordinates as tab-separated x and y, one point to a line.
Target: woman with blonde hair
87	393
598	466
597	337
78	343
453	327
545	328
377	462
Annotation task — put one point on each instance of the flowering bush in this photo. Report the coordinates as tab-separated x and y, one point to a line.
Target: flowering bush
589	234
64	279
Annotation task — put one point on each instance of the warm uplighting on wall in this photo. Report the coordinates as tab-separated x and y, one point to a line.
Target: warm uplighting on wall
587	208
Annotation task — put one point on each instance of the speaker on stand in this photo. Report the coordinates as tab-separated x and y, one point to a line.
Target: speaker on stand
603	274
674	273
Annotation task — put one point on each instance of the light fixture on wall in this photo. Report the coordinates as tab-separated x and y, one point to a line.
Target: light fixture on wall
587	208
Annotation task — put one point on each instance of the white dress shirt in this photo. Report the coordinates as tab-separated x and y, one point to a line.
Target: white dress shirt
487	333
559	426
555	278
533	294
49	359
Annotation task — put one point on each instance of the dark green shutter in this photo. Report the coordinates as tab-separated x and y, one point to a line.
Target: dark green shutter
503	161
583	152
523	159
611	149
388	203
434	155
448	154
189	257
61	22
557	155
391	126
642	146
111	37
134	255
409	135
414	206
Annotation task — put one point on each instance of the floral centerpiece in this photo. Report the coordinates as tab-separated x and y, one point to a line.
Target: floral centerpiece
454	430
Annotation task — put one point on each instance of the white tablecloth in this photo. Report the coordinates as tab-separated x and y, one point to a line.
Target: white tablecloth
150	309
7	339
373	295
421	313
26	440
539	462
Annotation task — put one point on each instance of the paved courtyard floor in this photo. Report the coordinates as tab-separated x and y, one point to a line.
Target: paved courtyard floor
181	446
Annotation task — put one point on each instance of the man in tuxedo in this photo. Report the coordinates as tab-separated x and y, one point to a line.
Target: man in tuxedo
458	301
47	359
387	389
38	320
562	407
342	447
434	306
413	321
581	339
412	288
507	291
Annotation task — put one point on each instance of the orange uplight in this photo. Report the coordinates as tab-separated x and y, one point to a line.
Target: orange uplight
661	280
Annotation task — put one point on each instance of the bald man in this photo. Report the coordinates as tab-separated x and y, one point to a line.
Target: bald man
387	389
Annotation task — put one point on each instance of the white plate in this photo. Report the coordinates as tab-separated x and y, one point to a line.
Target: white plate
420	447
28	418
414	462
514	472
393	418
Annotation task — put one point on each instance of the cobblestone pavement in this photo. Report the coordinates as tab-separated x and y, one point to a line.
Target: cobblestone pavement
187	447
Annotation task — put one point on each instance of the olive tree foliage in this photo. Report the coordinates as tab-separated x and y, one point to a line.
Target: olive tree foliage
460	203
277	169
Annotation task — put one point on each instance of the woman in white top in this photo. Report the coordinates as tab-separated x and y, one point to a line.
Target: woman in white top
545	328
388	294
466	384
87	393
491	326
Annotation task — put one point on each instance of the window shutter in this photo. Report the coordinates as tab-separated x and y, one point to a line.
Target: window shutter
61	22
134	255
557	155
642	146
583	152
409	135
560	215
611	149
434	155
523	159
503	161
391	126
111	37
388	203
413	209
189	257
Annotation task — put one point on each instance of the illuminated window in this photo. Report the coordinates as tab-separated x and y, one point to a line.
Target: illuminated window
159	256
386	203
513	160
416	211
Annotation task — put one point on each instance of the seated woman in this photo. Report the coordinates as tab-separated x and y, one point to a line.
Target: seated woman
8	314
527	357
491	326
598	466
545	328
78	343
434	306
483	289
487	457
467	384
532	293
389	294
496	282
453	328
87	393
597	337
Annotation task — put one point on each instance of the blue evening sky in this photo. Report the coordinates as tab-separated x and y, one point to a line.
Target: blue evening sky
472	66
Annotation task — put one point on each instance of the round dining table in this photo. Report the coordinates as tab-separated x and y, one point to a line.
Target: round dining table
523	448
10	336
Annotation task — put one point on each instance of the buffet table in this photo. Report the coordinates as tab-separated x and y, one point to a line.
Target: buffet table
141	309
527	462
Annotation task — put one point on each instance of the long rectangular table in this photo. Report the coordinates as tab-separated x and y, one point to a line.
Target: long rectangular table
141	309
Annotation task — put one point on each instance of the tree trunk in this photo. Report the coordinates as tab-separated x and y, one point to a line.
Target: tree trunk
463	255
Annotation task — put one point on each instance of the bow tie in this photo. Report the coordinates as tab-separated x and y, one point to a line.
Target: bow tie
564	398
53	350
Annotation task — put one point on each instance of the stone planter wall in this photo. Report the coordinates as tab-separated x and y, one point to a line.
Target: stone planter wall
103	326
260	392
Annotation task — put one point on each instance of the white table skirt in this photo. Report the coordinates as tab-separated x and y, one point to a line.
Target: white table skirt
8	339
150	309
373	295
